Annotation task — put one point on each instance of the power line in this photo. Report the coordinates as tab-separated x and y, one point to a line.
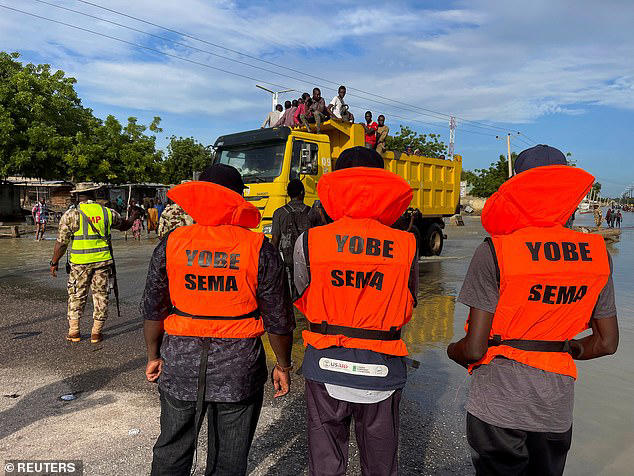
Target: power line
428	111
197	62
184	45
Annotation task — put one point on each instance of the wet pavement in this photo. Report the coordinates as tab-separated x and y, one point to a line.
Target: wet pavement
113	422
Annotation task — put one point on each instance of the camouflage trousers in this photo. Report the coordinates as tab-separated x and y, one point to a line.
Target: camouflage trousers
93	276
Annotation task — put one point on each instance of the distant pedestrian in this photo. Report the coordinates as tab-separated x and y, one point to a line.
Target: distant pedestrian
119	204
86	229
272	117
597	216
152	218
289	222
619	218
609	218
137	212
40	217
532	288
370	130
159	208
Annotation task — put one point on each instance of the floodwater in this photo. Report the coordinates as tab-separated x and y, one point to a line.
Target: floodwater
432	430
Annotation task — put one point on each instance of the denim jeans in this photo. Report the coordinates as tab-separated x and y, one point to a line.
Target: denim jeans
231	427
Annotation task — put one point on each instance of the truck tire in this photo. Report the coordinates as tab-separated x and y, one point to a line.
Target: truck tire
432	240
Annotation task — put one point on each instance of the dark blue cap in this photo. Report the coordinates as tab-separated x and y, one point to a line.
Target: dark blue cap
539	156
359	157
225	175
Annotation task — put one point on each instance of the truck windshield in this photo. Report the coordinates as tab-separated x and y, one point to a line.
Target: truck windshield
260	163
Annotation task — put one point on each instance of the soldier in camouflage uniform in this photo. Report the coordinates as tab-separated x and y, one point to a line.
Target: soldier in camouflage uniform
172	217
91	261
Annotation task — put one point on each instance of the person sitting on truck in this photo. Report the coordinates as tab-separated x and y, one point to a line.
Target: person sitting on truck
287	118
272	117
290	221
381	134
370	130
316	112
338	108
302	108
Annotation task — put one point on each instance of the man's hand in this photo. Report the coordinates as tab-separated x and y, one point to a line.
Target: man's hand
54	270
153	369
281	382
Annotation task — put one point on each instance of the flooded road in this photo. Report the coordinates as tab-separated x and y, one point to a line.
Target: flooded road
37	366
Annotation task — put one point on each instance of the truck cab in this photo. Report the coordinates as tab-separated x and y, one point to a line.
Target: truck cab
269	158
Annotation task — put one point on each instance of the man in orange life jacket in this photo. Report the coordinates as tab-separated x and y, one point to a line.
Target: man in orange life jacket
213	288
357	279
531	288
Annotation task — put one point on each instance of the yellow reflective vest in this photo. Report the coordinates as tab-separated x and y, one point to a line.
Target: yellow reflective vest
87	247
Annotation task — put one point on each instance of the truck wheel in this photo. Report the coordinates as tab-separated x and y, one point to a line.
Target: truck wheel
431	244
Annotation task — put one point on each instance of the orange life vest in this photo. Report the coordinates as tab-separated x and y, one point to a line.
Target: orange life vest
358	295
212	265
550	276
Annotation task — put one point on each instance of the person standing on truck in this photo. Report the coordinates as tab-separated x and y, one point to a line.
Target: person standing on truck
357	279
289	222
272	117
91	258
316	112
382	132
531	288
338	107
212	290
370	130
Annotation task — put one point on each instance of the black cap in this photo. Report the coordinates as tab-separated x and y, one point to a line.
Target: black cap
295	188
539	156
225	175
359	157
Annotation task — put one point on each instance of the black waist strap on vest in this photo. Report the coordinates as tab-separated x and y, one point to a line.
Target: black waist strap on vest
354	332
251	315
532	345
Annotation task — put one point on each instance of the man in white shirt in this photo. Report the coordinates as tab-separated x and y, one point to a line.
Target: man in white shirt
273	117
338	108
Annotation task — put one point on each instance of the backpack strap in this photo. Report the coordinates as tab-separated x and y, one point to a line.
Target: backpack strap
489	242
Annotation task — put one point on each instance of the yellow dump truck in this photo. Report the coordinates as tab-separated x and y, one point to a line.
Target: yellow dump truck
269	158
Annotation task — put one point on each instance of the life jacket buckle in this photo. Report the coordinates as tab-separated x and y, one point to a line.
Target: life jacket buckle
495	341
324	328
566	347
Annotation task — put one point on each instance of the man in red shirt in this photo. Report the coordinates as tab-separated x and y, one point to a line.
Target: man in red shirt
370	131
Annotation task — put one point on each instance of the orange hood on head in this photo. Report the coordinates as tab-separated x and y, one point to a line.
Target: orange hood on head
364	192
543	196
212	204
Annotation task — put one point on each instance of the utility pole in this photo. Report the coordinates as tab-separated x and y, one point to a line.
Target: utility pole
275	95
452	136
508	152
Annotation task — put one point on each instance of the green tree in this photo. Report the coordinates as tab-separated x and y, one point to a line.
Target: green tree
429	145
596	187
41	117
185	156
485	182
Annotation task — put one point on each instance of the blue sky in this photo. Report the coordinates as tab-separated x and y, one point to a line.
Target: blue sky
560	72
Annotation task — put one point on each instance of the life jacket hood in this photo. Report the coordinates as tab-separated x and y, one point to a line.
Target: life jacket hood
364	192
542	197
212	204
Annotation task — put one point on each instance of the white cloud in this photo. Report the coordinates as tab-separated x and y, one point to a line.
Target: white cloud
482	59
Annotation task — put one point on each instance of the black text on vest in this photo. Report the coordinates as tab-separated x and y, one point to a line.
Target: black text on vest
557	294
357	279
219	259
371	246
553	251
210	283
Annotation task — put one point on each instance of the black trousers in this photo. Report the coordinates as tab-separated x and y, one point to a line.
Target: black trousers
231	427
375	426
504	452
